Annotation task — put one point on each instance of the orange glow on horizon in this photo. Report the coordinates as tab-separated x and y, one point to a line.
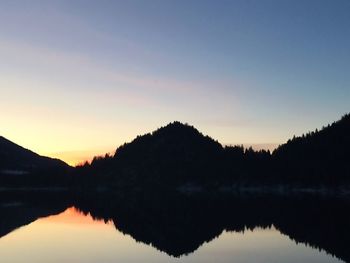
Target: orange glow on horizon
75	158
73	216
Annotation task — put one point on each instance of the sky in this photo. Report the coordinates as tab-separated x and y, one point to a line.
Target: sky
79	78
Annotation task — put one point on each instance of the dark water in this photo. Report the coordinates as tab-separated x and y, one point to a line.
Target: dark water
101	228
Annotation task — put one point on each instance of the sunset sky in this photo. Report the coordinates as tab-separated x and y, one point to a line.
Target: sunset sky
79	78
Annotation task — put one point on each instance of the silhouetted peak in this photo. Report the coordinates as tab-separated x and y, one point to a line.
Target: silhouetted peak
174	135
175	148
177	128
3	139
9	146
318	154
14	156
177	125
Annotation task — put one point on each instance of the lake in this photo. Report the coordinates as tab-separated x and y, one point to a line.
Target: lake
36	233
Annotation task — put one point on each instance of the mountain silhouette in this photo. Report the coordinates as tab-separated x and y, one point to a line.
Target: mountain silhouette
178	155
176	188
170	156
19	165
319	155
16	158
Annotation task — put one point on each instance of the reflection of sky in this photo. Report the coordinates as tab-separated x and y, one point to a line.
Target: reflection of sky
72	237
90	75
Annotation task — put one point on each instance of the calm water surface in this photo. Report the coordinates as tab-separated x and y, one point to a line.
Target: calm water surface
73	237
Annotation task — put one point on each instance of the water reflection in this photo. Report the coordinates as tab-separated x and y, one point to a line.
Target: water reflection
173	229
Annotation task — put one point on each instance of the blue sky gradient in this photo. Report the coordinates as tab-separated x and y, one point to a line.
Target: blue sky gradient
87	76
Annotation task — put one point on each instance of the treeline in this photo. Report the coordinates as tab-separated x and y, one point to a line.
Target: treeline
317	157
178	154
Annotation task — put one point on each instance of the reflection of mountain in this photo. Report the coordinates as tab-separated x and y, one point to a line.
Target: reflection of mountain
176	229
177	156
324	225
17	211
179	226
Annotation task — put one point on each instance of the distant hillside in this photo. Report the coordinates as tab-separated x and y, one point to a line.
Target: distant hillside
320	156
178	155
172	156
16	160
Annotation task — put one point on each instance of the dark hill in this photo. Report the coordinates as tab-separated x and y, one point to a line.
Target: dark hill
320	156
176	154
170	145
17	161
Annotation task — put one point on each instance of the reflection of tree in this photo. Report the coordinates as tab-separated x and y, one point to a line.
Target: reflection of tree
179	225
176	155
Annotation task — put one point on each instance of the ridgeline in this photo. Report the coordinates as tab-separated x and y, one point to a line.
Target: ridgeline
177	156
